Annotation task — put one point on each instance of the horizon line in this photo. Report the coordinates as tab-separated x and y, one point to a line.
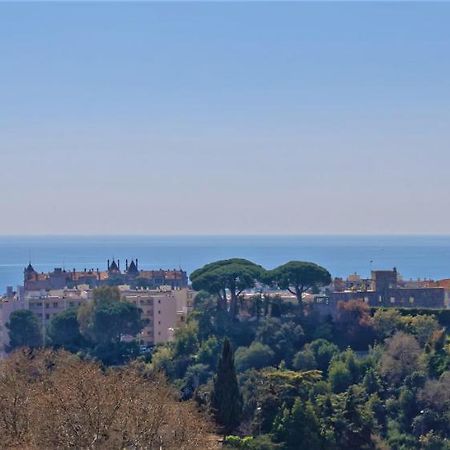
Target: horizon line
218	235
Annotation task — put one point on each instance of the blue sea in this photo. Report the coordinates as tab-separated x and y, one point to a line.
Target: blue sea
414	256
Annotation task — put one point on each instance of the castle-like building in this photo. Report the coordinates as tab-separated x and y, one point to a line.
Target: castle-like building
60	278
386	290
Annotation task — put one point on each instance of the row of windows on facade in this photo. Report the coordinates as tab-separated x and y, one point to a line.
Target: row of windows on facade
54	305
49	316
392	299
71	303
144	302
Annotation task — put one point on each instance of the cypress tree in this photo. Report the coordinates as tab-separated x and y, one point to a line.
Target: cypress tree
226	400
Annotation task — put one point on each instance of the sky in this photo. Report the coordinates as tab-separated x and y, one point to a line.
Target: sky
224	118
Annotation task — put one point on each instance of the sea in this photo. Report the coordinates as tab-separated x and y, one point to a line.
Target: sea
414	257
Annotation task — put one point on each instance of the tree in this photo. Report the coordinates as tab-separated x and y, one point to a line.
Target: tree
24	330
304	360
64	331
186	342
339	376
354	324
209	352
436	394
433	441
422	327
107	319
298	427
401	358
256	356
51	400
113	320
386	322
323	351
195	376
356	433
298	276
226	399
230	275
283	338
163	361
106	294
372	382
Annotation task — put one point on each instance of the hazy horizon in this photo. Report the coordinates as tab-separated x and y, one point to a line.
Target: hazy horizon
234	235
224	119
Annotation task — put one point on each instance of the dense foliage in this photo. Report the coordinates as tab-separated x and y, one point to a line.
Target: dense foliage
24	330
361	379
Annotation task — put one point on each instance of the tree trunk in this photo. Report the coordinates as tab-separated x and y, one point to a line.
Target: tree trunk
234	306
222	301
298	294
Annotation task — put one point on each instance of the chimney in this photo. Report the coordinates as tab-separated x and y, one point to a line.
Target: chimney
126	264
136	263
108	264
118	264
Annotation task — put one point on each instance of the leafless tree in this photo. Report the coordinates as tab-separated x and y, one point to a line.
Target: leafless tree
402	356
54	400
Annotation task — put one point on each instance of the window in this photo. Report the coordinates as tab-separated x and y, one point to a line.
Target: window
70	304
366	299
411	300
47	305
55	304
47	316
392	299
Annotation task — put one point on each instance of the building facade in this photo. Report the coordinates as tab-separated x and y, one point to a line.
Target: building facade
60	278
164	309
385	290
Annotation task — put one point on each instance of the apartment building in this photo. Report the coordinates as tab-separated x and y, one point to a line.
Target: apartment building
46	304
165	308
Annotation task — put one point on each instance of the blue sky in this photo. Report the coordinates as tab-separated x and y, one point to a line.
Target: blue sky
224	118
